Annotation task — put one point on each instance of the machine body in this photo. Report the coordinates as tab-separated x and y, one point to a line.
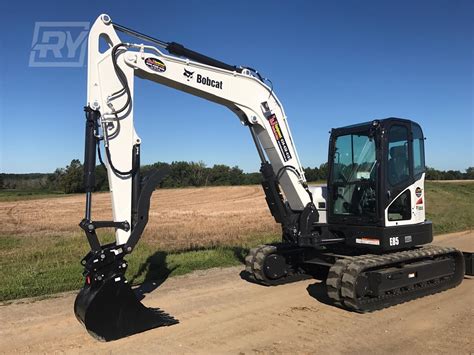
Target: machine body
365	231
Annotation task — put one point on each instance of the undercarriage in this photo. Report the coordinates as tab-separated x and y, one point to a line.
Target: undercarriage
363	282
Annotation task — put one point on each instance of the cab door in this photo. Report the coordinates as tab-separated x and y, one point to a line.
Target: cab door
405	174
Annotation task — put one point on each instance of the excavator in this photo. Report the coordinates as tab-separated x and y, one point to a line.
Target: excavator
365	232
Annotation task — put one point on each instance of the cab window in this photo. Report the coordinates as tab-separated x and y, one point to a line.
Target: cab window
354	175
398	162
418	151
400	209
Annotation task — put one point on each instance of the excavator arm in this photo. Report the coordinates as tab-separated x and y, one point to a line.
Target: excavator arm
106	297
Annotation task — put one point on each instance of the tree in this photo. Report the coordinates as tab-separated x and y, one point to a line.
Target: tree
469	175
185	174
312	174
236	176
54	179
219	175
72	179
453	175
101	180
432	174
252	179
197	174
323	171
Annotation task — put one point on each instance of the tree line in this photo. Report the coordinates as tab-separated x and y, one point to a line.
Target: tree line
433	174
182	174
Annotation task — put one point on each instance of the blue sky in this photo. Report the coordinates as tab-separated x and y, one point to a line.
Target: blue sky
332	63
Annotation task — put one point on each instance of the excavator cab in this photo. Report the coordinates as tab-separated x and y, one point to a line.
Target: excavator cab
376	183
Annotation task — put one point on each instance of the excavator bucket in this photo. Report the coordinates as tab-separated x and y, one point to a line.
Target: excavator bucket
109	310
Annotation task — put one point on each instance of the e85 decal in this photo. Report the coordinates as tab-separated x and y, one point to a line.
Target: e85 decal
394	241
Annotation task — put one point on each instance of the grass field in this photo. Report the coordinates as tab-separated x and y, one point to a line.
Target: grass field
450	205
18	195
195	228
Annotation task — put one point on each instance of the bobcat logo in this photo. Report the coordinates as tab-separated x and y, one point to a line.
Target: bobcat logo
188	74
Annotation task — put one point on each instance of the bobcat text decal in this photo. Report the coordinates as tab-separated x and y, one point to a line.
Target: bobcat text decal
204	80
208	81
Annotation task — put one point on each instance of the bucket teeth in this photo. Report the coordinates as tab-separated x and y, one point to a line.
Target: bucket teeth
109	310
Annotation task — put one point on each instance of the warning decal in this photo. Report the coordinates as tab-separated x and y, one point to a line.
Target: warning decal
369	241
419	204
276	129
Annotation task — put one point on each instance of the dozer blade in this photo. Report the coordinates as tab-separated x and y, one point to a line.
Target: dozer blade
109	310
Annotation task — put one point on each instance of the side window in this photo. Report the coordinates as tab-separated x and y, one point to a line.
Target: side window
418	151
400	209
398	162
342	158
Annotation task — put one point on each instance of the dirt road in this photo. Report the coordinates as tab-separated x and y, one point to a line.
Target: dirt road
219	312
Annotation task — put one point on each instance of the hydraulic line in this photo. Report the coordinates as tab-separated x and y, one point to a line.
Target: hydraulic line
125	89
122	78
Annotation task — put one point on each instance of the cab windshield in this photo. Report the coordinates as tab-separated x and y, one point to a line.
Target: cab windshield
354	175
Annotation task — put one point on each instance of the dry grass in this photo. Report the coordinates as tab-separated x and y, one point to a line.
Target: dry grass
193	218
41	243
179	218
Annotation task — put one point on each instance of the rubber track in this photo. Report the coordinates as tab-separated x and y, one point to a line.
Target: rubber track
335	274
364	262
249	259
334	279
254	266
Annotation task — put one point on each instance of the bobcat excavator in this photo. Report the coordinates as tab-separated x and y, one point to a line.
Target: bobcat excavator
365	231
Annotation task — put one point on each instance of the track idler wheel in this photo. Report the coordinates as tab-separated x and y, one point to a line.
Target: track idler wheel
273	265
109	310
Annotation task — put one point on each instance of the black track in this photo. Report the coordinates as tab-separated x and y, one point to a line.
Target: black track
334	279
360	264
342	278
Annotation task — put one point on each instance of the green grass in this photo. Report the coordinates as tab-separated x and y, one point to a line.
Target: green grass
18	195
38	266
450	205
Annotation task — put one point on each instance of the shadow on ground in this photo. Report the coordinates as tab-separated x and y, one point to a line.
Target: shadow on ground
157	271
319	292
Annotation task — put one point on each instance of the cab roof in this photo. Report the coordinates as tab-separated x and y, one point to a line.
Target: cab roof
386	122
